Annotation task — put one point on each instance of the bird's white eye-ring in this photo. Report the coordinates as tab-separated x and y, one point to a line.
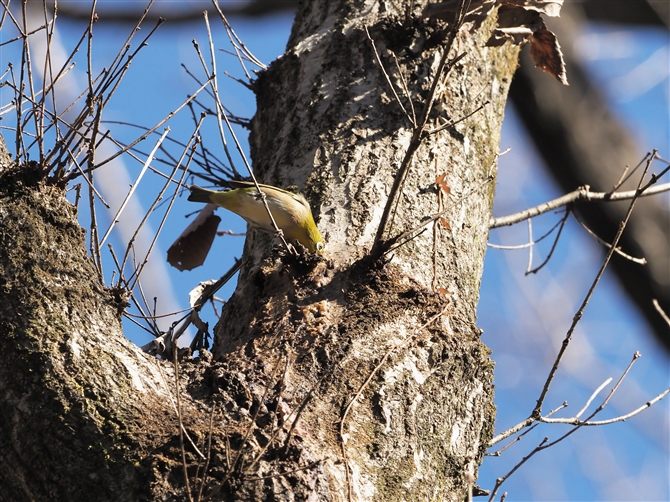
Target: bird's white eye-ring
319	247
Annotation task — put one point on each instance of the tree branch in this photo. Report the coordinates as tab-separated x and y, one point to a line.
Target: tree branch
581	194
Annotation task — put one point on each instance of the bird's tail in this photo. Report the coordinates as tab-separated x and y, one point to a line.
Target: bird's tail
200	194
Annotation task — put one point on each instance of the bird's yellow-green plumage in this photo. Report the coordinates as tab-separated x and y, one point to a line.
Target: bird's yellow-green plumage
290	211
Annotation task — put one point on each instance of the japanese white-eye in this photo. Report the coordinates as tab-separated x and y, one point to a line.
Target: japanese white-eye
290	211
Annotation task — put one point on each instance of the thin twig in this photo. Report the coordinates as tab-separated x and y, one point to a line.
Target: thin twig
537	412
639	261
512	430
527	244
144	136
115	220
501	480
593	396
626	170
412	120
660	310
250	429
405	87
209	452
413	233
531	248
223	114
517	428
220	110
515	440
445	64
452	123
553	246
193	143
232	35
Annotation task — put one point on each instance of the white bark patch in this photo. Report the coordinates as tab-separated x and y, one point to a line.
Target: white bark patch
418	469
310	43
361	485
463	424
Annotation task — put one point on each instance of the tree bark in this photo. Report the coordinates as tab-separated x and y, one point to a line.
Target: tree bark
79	403
381	360
348	377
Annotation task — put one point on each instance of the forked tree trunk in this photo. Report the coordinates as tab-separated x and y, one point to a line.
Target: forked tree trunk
342	378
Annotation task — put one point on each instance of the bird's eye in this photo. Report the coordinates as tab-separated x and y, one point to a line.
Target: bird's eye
319	247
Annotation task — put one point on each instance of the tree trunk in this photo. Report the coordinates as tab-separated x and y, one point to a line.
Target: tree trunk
349	377
380	360
79	403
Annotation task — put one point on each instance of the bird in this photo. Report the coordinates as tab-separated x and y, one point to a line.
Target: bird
290	211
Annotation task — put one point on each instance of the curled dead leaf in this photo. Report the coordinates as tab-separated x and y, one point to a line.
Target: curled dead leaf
546	53
191	247
520	24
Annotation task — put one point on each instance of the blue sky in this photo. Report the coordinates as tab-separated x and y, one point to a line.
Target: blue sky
524	317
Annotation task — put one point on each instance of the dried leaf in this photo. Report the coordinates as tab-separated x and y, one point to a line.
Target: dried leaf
439	181
444	292
520	21
445	223
191	247
546	52
515	24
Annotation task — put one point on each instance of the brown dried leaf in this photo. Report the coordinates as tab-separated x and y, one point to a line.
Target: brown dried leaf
191	247
445	223
546	52
520	21
439	181
515	24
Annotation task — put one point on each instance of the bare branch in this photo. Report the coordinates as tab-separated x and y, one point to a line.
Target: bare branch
512	430
568	337
531	243
593	396
500	481
553	246
581	194
640	261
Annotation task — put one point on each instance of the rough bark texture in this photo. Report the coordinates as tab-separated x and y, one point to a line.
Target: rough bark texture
78	401
333	379
327	123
